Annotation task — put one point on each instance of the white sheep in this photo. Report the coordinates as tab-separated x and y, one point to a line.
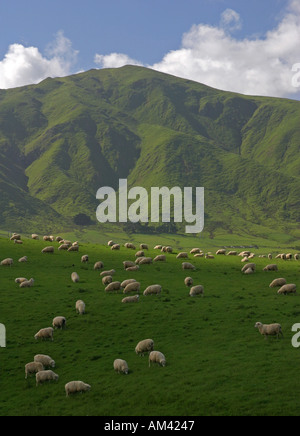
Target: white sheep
195	251
269	329
33	368
49	249
111	272
144	247
160	258
45	360
272	267
35	236
121	366
287	289
23	259
98	265
27	283
153	289
116	247
221	251
188	281
63	247
106	280
80	307
74	387
113	286
157	357
278	282
43	376
19	280
73	248
59	322
75	277
133	268
182	255
130	245
187	265
46	333
84	258
128	263
127	282
144	346
249	265
7	262
131	299
132	287
197	290
145	261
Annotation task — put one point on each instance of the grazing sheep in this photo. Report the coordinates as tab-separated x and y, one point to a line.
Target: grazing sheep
21	280
287	289
127	282
49	249
133	268
221	251
270	256
47	238
75	387
182	255
7	262
45	360
116	247
23	259
33	368
195	251
153	289
113	286
160	258
84	258
249	265
197	290
110	243
46	333
63	247
278	282
43	376
106	280
73	248
15	237
18	242
209	256
131	299
187	265
80	307
98	265
249	271
121	366
271	267
111	272
232	253
158	247
144	247
144	346
35	236
27	284
59	322
145	261
167	249
130	245
296	256
58	238
269	329
188	281
199	255
140	254
128	263
132	287
75	277
157	357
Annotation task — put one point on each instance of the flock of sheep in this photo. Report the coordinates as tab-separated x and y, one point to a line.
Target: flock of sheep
41	363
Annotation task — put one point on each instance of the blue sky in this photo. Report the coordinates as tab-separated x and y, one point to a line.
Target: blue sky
173	36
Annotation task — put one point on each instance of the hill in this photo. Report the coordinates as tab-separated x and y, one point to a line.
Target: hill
64	138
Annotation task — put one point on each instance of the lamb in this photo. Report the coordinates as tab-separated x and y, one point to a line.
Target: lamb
188	281
187	265
113	286
98	265
160	258
80	307
49	249
33	368
131	299
197	290
121	366
182	255
75	277
278	282
23	259
46	333
84	258
269	329
128	263
7	262
144	346
157	357
43	376
271	267
59	322
287	289
107	273
45	360
75	387
153	289
106	280
132	287
27	284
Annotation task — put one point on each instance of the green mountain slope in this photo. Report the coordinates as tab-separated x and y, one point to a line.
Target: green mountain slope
63	139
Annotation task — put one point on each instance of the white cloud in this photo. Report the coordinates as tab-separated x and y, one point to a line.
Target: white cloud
26	65
231	20
114	60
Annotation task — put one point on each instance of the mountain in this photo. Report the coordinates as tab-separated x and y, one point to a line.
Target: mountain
64	138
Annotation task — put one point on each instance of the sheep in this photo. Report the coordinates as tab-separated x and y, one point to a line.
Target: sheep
27	284
58	238
157	357
107	273
49	249
128	263
287	289
197	290
195	251
182	255
18	242
15	237
138	260
145	346
270	256
75	277
269	329
35	236
80	307
296	256
121	366
33	368
167	249
221	251
249	271
132	287
160	258
188	281
113	286
66	242
127	282
47	238
140	253
7	262
271	267
157	247
153	289
45	360
43	376
116	247
63	247
187	265
199	255
131	299
106	280
46	333
74	387
73	248
133	268
98	265
84	258
20	280
59	322
249	265
146	261
23	259
232	253
110	243
144	247
130	245
209	256
278	282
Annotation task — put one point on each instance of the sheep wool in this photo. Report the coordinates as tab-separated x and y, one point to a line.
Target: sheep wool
269	329
44	376
144	346
157	357
75	387
121	366
45	360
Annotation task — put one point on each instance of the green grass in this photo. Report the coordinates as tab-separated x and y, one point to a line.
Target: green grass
217	363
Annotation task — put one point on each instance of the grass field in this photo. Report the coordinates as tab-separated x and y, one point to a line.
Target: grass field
217	363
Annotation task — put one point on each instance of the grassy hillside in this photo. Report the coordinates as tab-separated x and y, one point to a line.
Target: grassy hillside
217	363
64	138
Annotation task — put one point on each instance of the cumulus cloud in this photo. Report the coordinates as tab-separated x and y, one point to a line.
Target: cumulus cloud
26	65
115	60
231	20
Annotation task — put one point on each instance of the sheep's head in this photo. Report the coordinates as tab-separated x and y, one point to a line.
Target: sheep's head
258	325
